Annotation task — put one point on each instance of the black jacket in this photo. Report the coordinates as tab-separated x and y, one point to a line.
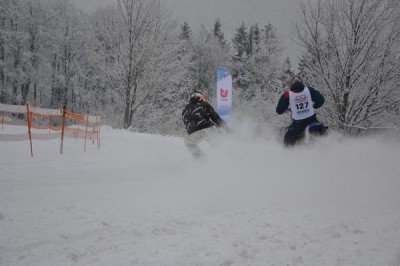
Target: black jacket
198	115
283	103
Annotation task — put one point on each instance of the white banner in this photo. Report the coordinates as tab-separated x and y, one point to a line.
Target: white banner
224	93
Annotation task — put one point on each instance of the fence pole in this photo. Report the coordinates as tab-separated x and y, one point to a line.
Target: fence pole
28	121
93	132
64	110
86	131
77	131
98	130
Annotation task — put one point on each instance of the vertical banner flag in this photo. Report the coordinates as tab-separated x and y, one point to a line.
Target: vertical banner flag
224	93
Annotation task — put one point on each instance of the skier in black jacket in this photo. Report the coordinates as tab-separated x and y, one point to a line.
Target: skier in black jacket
199	118
301	101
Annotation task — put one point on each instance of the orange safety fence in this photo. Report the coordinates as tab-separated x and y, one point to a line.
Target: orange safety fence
60	123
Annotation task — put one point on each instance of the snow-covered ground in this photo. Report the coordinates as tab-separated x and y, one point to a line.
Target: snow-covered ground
142	200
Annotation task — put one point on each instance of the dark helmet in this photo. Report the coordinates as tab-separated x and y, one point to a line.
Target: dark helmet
197	96
295	79
296	83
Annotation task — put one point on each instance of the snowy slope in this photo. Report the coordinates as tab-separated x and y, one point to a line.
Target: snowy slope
141	200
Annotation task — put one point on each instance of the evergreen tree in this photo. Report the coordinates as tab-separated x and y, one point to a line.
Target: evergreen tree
256	73
269	31
186	31
287	72
305	67
249	50
241	41
208	54
256	38
218	32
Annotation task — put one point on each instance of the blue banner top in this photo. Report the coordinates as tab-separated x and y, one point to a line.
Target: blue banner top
222	73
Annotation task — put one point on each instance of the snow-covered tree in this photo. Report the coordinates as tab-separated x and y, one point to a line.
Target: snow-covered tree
139	56
3	40
241	41
186	31
351	52
129	37
68	39
218	33
240	44
286	72
209	53
14	36
256	70
40	50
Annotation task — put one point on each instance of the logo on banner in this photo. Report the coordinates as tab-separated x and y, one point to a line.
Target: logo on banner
224	93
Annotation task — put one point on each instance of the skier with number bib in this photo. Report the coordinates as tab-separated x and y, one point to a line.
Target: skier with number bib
199	118
301	101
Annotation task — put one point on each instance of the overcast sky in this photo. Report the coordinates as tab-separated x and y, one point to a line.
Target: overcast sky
280	13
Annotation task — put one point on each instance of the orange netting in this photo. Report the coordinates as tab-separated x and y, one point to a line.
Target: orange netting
62	121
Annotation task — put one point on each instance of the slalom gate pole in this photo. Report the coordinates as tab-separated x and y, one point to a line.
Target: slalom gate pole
29	121
2	120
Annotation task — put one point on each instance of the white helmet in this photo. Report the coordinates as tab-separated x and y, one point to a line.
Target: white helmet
198	96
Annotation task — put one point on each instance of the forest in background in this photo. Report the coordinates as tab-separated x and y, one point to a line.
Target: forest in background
134	65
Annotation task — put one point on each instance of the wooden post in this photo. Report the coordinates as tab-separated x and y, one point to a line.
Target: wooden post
28	121
93	131
98	130
86	131
77	131
63	110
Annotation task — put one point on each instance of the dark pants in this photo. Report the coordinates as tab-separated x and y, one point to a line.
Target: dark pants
296	130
